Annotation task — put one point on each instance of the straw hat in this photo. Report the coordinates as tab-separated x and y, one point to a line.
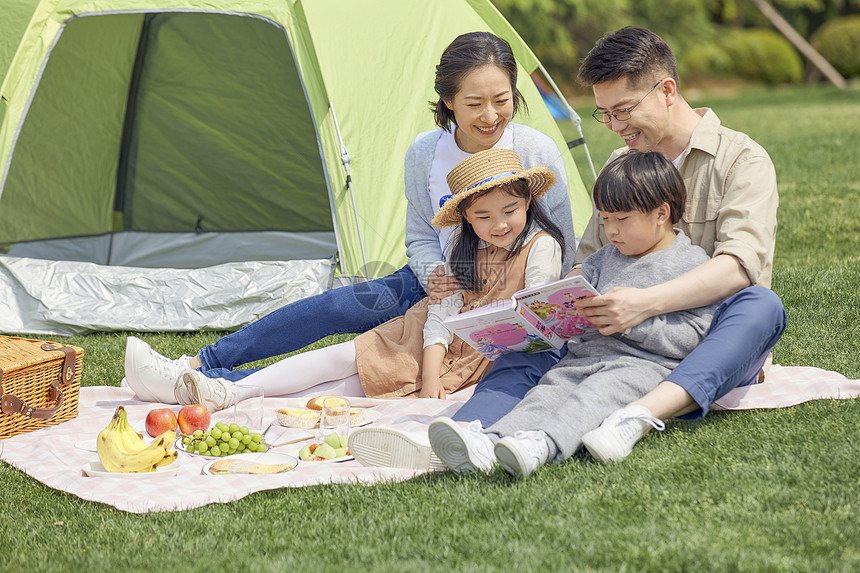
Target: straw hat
484	170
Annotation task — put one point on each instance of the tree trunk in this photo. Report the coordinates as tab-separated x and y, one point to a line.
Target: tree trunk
802	45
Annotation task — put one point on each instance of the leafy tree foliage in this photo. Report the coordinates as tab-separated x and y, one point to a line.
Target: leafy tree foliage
562	31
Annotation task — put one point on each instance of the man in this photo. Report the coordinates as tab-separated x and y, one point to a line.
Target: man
730	212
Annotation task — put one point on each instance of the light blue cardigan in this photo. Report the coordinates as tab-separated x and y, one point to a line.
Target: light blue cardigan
422	239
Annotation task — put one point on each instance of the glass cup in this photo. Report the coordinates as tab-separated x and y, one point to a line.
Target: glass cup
248	409
334	417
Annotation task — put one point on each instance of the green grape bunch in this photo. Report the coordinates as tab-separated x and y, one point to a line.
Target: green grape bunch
223	440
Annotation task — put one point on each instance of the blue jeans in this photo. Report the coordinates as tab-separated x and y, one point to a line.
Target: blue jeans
745	328
507	382
349	309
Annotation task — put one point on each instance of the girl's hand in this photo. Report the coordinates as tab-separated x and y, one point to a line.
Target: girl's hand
432	388
616	311
440	285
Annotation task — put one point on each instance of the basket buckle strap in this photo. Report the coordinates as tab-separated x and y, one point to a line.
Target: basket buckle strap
14	405
67	372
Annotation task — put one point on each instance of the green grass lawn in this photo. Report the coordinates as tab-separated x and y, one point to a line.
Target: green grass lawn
742	491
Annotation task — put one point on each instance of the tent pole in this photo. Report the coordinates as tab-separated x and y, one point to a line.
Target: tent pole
574	117
344	158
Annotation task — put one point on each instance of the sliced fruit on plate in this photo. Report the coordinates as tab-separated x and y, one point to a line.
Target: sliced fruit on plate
334	447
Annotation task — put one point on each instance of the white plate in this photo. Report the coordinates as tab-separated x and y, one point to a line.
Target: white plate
96	469
334	461
370	416
257	457
87	445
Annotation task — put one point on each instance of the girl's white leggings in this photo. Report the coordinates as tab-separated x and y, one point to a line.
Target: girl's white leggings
328	370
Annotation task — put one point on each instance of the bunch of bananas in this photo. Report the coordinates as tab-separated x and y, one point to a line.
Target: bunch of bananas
121	449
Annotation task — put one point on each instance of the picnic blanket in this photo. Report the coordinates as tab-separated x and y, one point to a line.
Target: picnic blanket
50	455
787	386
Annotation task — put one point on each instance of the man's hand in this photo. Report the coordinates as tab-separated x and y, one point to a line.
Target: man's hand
440	285
616	311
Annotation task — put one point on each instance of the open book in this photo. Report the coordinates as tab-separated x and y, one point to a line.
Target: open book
534	320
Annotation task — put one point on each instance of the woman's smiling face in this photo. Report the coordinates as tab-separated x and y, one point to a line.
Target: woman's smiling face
482	108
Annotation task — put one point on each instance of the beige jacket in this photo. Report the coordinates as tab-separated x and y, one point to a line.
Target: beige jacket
731	199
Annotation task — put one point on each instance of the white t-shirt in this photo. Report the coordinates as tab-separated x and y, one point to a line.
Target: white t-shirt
677	161
446	156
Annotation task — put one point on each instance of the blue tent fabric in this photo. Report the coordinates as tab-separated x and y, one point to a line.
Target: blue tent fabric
553	103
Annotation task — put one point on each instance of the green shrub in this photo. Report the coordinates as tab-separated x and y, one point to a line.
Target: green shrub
839	42
704	60
762	55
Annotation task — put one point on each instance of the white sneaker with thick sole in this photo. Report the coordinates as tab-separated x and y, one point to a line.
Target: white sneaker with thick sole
614	439
463	449
182	393
151	375
392	448
214	393
523	453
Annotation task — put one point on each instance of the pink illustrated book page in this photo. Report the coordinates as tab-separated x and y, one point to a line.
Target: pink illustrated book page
497	329
534	320
553	305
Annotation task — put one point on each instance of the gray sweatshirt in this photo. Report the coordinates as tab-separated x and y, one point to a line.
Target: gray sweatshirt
665	339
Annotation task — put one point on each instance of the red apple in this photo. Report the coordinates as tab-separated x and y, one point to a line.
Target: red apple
194	417
159	421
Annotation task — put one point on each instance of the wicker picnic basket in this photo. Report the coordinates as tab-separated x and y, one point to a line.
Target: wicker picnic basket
39	384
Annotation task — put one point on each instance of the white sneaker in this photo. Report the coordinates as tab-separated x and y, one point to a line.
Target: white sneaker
214	393
151	375
614	439
182	393
463	449
523	453
392	448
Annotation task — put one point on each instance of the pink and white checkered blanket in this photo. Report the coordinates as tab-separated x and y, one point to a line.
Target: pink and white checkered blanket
787	386
50	455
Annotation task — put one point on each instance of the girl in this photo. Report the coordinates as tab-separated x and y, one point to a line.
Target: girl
502	242
476	83
640	196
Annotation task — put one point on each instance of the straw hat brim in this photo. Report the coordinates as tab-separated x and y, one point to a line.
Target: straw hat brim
539	179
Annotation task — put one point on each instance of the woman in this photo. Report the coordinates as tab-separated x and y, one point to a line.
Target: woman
477	98
503	242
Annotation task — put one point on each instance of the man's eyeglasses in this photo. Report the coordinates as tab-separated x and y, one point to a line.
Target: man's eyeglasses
622	115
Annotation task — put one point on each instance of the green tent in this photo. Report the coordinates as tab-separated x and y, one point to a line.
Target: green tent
189	133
